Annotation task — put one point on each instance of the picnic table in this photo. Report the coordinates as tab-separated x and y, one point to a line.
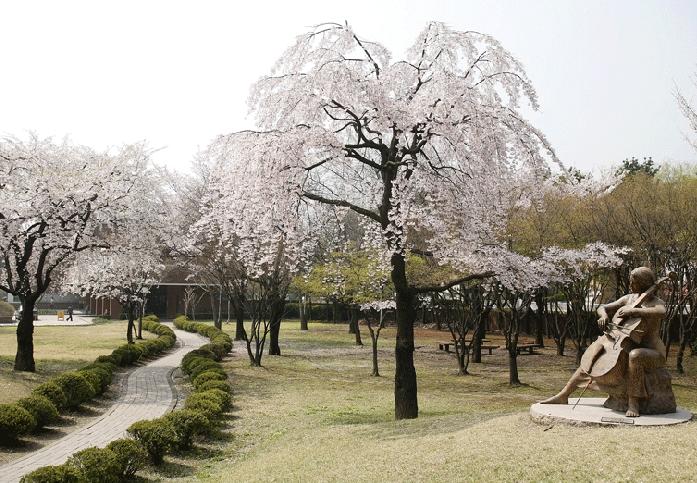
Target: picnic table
445	345
530	348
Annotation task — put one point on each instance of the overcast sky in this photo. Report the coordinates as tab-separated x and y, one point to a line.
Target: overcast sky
178	73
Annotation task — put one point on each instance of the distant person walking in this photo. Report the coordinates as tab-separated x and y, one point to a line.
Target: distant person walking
70	314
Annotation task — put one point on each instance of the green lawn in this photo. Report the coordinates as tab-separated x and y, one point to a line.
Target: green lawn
315	413
56	349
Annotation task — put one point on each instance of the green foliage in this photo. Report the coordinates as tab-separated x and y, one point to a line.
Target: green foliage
632	166
348	276
207	376
96	464
14	421
130	455
214	384
53	474
157	436
212	409
76	387
53	392
187	423
222	398
203	366
6	309
41	408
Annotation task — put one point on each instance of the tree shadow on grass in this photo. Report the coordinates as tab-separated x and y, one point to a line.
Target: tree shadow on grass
171	469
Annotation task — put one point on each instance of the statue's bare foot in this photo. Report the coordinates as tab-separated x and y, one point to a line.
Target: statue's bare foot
560	398
632	409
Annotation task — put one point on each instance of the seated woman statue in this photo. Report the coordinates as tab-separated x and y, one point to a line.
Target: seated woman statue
643	355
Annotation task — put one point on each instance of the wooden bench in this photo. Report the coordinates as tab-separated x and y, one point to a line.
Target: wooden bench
445	345
528	347
489	348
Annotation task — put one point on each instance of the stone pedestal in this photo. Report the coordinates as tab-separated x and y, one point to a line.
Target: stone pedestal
590	411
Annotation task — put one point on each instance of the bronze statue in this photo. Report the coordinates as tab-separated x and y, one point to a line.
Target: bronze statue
628	360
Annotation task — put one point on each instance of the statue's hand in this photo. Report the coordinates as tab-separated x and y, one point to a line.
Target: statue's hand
626	312
602	322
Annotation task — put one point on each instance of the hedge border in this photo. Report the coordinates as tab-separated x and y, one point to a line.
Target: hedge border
155	435
84	383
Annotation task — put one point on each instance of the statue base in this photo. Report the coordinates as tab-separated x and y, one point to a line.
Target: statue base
591	411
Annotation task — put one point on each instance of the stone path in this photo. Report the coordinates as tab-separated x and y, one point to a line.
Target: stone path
148	394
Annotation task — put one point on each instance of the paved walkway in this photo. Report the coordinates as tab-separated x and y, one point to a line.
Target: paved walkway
148	394
47	320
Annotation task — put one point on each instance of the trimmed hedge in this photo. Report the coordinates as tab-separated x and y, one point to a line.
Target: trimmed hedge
41	408
52	392
76	387
130	456
186	424
157	436
70	389
96	464
53	474
14	421
203	409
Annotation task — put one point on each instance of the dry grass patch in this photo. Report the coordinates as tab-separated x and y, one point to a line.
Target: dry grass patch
56	349
315	413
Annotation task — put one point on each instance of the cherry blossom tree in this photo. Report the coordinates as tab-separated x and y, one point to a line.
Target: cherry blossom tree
125	274
689	111
56	200
267	236
424	148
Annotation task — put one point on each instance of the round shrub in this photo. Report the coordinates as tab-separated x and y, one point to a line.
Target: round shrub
53	393
192	360
210	408
152	317
104	371
93	379
216	349
187	423
41	408
206	376
131	456
214	384
107	360
202	367
14	421
96	464
157	437
53	474
223	398
76	388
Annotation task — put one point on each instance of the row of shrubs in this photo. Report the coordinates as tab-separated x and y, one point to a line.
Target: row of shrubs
70	389
153	439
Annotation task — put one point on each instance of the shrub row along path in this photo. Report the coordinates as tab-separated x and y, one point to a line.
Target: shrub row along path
147	394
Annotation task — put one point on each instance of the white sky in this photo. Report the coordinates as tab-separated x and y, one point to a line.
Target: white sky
178	73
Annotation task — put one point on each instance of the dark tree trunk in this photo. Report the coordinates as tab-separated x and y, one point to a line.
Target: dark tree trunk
405	389
277	308
374	336
303	315
478	335
540	318
24	358
681	355
352	322
139	336
513	379
356	327
238	306
131	325
335	312
561	345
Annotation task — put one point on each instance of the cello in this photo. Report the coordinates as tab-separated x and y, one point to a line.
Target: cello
606	357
